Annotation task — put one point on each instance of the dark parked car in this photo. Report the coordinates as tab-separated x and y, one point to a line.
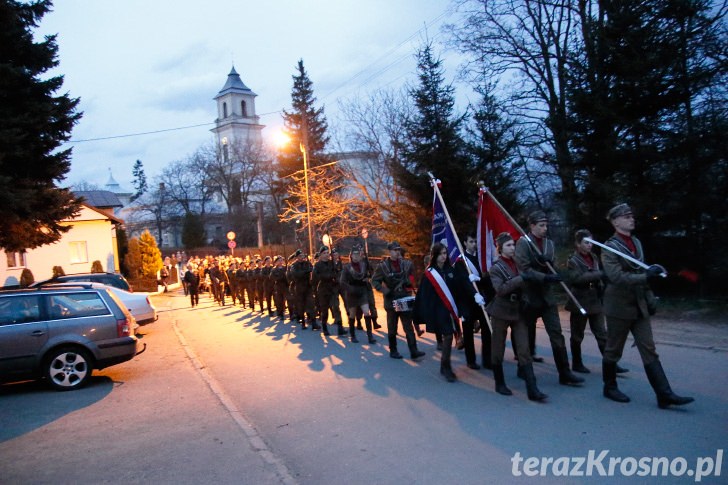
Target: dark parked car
110	279
62	334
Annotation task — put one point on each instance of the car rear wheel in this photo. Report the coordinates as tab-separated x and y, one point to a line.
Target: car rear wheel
68	368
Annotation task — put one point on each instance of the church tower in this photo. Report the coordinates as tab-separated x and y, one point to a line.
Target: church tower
236	123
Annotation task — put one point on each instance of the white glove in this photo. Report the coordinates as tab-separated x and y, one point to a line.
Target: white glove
479	299
473	277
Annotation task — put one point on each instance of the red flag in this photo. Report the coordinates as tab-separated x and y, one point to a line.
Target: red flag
491	222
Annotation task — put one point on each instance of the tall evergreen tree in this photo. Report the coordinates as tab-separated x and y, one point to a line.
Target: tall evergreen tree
140	180
307	125
33	124
642	96
433	143
493	141
193	231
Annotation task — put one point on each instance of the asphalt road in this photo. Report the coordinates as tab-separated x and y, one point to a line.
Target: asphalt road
226	396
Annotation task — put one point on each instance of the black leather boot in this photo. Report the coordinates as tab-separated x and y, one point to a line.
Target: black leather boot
352	332
368	322
609	375
325	327
534	394
393	347
340	329
576	364
566	377
659	382
486	347
445	365
415	353
620	370
500	381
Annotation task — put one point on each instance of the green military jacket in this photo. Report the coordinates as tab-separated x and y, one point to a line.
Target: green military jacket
586	283
536	293
627	295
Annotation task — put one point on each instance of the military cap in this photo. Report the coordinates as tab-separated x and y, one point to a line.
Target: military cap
266	258
295	255
323	249
537	216
394	245
618	210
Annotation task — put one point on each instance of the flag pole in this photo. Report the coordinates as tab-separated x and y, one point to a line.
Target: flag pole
433	182
535	248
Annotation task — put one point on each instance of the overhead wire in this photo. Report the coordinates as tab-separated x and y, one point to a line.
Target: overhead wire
345	83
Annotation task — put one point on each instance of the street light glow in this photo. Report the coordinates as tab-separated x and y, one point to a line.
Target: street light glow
280	138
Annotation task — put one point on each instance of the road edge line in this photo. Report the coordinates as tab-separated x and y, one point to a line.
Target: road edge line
251	433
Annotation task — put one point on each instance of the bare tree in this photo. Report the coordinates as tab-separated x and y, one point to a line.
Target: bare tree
375	127
527	42
187	183
154	203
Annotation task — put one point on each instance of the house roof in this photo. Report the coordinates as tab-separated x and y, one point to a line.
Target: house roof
234	85
102	199
111	217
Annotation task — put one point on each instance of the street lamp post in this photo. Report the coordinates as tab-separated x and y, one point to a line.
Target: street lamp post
308	198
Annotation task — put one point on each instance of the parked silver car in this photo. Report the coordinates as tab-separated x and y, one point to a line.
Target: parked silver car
62	334
138	304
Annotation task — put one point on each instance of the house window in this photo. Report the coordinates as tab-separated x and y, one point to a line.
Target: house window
78	252
224	110
243	109
16	260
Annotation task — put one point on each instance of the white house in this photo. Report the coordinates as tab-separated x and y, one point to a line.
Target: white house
92	237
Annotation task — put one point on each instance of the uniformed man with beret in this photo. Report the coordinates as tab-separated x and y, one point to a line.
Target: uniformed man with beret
279	284
300	273
266	285
325	281
291	296
628	304
539	295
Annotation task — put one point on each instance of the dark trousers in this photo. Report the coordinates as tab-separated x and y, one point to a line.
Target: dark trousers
596	324
550	317
279	298
617	331
519	335
469	341
393	318
329	303
194	296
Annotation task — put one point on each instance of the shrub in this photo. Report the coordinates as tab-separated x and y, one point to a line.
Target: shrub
96	267
58	271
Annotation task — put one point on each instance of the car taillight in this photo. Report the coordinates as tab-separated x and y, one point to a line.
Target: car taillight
123	327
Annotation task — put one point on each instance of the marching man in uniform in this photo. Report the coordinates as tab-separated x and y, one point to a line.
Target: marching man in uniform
394	278
628	304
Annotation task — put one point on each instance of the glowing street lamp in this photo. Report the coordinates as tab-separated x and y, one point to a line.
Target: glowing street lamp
282	139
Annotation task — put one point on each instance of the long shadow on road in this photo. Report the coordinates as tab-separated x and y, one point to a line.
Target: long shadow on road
27	406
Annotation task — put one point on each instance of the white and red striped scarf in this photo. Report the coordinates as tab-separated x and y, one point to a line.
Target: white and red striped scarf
445	296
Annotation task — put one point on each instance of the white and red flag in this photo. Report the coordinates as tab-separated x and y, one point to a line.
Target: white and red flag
491	222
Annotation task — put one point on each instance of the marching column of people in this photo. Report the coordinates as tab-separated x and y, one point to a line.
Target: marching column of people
518	289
